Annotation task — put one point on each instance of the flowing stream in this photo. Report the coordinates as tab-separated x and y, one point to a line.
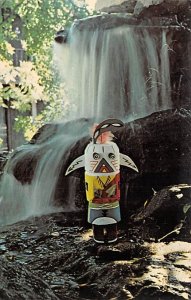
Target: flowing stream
121	72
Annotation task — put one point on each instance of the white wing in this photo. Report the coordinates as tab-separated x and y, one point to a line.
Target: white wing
127	162
79	162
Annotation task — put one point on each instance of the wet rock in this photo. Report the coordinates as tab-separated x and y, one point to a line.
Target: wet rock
115	6
109	21
144	8
178	196
56	234
170	210
122	251
59	268
30	153
164	279
160	146
62	36
90	290
150	8
17	282
3	249
3	160
25	172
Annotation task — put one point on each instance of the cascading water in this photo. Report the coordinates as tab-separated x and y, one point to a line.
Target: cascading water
118	72
35	196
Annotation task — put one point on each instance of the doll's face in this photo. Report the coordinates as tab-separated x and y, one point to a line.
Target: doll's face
102	158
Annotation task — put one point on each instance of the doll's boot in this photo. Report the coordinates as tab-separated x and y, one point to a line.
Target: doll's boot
104	230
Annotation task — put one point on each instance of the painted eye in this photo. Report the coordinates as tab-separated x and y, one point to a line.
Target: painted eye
111	155
96	156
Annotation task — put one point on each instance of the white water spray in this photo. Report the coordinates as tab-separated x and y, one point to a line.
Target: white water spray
120	72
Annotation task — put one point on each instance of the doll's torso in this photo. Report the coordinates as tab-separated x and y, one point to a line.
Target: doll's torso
102	188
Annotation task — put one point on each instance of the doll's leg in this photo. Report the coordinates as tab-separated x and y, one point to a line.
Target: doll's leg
104	230
98	233
111	233
104	224
105	233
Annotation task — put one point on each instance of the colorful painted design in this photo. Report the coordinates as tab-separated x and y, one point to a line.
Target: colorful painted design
102	189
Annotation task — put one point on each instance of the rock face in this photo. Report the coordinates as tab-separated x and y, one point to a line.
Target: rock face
3	160
160	7
113	6
159	144
167	214
144	8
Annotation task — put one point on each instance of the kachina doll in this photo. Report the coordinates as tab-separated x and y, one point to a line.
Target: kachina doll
102	162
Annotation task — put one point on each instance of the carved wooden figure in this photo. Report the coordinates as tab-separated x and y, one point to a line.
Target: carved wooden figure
102	161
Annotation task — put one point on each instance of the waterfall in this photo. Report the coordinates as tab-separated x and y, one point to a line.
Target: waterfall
20	200
120	72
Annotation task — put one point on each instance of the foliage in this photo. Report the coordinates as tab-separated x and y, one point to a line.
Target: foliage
20	85
28	124
33	80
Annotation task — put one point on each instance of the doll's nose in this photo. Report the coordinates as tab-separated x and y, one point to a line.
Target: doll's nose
104	167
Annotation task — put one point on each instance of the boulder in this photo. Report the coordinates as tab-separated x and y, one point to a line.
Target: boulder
160	145
113	6
167	215
150	8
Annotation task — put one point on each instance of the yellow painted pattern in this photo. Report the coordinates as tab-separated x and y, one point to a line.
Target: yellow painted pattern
95	183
